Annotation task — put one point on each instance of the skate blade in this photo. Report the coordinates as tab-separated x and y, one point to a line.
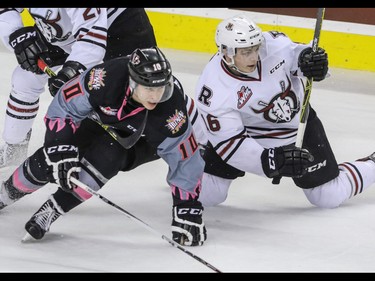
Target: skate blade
27	238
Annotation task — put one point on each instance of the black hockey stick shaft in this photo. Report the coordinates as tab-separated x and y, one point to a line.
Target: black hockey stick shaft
126	142
306	98
141	222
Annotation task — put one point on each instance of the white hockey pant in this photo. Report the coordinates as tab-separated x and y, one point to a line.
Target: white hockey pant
23	104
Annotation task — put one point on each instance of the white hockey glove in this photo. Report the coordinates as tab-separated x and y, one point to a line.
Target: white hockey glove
64	162
188	228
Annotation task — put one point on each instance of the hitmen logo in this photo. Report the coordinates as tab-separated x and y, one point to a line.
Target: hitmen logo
96	81
175	122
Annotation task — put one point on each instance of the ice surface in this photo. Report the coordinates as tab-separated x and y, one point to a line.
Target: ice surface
260	228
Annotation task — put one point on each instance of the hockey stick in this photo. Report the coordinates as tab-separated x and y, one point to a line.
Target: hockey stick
141	222
306	98
126	142
44	67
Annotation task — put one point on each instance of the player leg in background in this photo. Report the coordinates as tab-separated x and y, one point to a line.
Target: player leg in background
217	177
21	110
215	180
354	177
95	173
327	184
214	190
130	30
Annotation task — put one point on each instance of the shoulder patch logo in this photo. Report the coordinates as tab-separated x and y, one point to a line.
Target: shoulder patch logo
175	122
243	96
97	76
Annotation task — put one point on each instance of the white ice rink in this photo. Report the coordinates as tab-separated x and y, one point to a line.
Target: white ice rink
260	228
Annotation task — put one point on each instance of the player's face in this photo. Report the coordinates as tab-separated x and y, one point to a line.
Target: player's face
149	97
246	59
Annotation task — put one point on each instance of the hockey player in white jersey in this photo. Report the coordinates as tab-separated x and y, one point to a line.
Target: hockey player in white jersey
69	40
249	96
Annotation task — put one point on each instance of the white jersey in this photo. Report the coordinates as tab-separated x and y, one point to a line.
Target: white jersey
81	32
244	115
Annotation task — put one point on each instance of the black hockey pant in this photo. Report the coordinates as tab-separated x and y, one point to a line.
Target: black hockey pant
101	156
130	30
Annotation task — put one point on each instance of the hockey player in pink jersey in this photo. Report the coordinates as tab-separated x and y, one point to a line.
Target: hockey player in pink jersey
249	96
147	116
69	40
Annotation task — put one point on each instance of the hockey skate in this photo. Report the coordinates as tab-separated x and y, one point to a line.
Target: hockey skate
41	221
14	154
2	205
371	157
3	196
9	194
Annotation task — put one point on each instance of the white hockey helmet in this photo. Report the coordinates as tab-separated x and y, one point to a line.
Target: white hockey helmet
237	32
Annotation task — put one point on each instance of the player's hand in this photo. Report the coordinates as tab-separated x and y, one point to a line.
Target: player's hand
64	162
28	47
313	64
286	161
69	70
188	228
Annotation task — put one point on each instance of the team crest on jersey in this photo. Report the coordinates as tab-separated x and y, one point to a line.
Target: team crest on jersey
175	122
282	107
243	96
50	26
108	111
96	80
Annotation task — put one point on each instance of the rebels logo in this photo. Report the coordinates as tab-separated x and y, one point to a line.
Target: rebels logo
22	37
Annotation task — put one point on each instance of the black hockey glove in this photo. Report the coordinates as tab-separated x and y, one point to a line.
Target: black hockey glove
188	228
313	64
64	163
69	70
28	47
286	161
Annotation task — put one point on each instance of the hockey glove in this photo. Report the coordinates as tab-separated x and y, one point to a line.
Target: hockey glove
187	224
28	47
69	70
286	161
313	64
64	163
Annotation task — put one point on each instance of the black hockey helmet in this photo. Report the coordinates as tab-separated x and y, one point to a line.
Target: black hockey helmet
149	68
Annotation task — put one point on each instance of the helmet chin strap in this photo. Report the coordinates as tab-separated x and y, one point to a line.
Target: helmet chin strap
230	52
232	66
